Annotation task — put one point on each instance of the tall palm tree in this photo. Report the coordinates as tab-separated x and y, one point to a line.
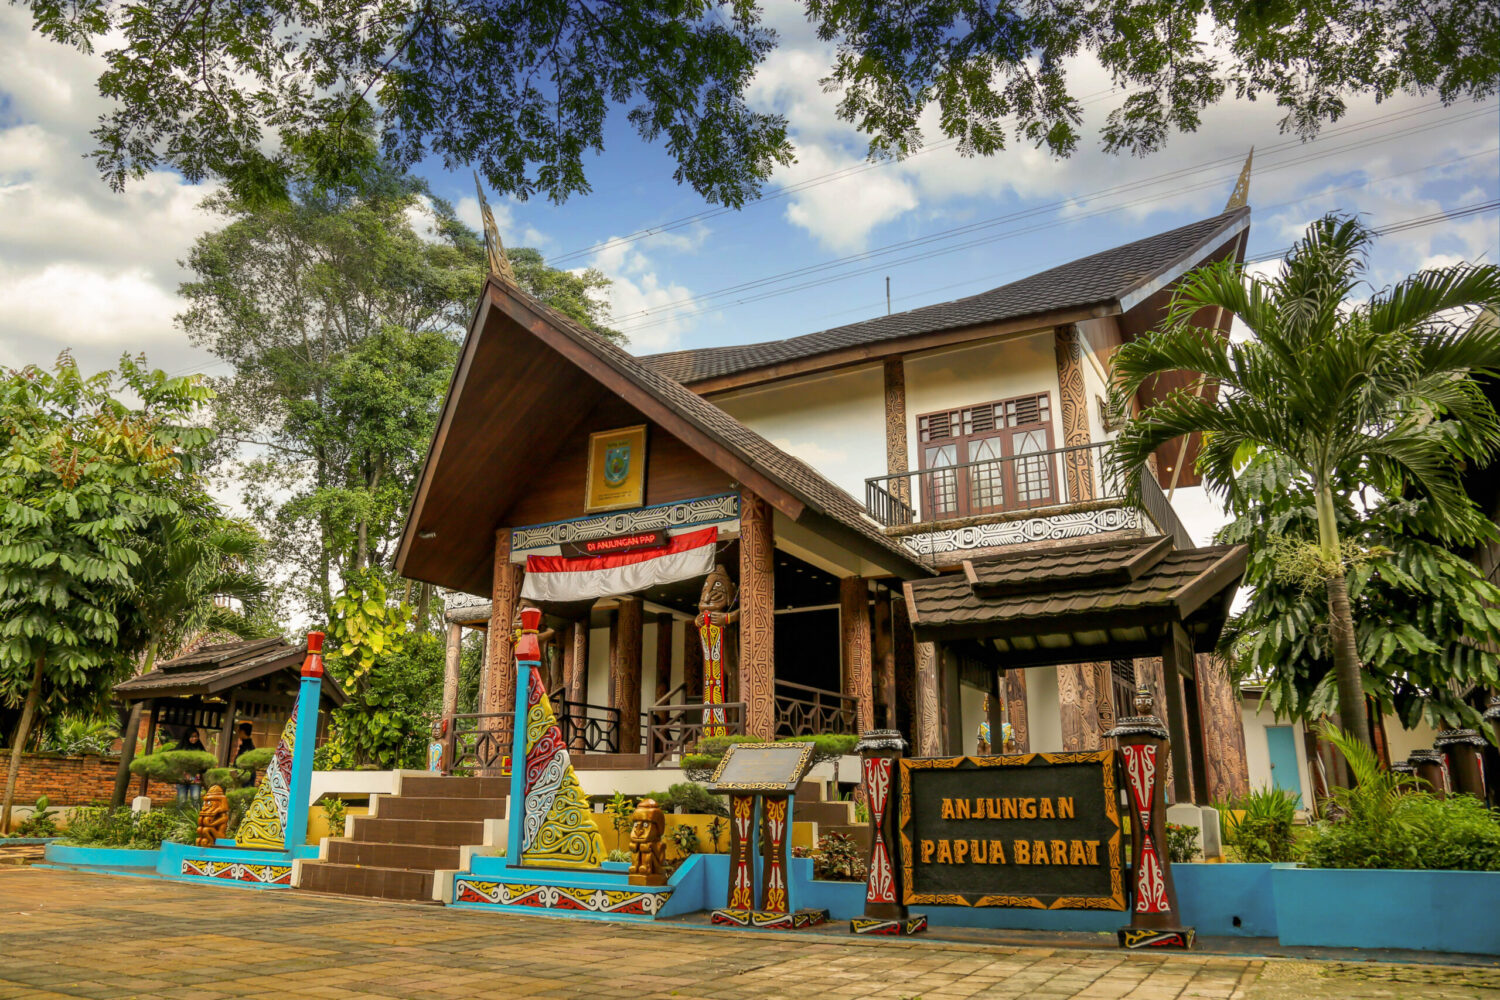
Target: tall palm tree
1377	393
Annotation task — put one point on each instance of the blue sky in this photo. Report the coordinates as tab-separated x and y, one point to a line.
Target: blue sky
85	268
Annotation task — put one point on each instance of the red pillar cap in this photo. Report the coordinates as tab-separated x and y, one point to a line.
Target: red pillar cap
312	664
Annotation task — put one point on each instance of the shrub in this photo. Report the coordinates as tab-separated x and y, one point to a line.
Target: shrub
826	746
838	859
1387	821
41	823
100	826
257	760
620	810
335	812
617	855
1182	842
173	767
227	778
716	828
1263	833
239	804
685	838
694	798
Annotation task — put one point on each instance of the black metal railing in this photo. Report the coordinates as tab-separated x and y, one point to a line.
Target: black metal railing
478	743
674	730
995	486
810	711
587	728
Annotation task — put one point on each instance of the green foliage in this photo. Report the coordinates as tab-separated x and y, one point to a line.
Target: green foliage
227	778
239	804
716	828
1425	622
1388	821
838	859
388	715
255	760
1182	842
100	826
74	734
41	823
690	797
527	92
1345	400
827	746
1264	832
335	811
172	767
617	855
620	809
684	837
366	626
716	746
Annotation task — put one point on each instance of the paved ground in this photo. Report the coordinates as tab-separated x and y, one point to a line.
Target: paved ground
76	935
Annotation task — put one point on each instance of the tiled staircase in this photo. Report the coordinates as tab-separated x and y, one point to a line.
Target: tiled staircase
812	804
394	852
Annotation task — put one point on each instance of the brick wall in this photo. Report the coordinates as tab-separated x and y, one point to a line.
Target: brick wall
76	781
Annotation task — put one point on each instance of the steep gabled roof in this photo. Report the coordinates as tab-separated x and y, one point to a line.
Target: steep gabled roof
787	482
1107	279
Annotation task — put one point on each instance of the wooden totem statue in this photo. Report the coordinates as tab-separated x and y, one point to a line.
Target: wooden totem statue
647	853
213	817
716	619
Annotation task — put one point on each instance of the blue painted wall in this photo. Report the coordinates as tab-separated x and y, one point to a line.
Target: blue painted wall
110	857
1425	910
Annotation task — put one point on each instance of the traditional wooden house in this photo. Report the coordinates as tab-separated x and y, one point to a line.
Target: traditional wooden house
991	551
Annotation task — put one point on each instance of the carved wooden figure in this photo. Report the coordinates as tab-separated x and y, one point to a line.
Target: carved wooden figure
213	817
716	619
647	853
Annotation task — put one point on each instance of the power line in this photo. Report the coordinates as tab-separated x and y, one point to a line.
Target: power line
699	302
1400	227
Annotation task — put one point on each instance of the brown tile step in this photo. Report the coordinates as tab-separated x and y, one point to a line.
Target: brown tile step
424	807
420	856
359	880
429	832
812	791
449	787
821	813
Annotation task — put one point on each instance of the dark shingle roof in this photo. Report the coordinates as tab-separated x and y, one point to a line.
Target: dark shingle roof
217	669
1089	563
793	474
1098	278
1173	588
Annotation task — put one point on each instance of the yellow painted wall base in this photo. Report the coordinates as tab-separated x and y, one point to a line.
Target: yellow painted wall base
802	833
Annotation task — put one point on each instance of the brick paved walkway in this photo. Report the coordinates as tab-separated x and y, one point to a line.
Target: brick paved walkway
75	935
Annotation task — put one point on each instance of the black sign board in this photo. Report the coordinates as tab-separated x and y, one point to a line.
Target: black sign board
1036	830
633	541
762	767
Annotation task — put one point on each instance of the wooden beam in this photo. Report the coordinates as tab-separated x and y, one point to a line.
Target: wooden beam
628	672
499	694
663	657
757	667
854	649
154	707
1173	648
954	737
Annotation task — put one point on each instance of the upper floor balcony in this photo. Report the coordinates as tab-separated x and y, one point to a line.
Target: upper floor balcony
961	509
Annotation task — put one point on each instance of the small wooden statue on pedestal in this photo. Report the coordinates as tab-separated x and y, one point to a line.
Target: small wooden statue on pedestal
213	817
647	853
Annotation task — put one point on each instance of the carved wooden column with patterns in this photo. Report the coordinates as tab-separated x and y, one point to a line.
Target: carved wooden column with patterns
895	428
452	663
1078	468
578	677
928	722
883	659
628	673
499	693
1223	730
757	668
854	647
904	654
663	657
1104	703
1015	710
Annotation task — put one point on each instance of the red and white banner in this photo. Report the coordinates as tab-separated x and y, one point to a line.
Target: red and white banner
560	578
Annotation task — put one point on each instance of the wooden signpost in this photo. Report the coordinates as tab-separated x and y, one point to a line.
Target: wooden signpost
761	779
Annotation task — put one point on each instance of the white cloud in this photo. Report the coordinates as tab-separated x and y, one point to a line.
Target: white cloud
635	289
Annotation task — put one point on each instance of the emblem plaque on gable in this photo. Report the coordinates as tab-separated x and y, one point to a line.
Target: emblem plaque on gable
616	469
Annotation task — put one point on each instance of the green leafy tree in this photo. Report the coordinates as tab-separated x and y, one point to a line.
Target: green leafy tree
1350	395
1426	621
526	90
82	475
340	321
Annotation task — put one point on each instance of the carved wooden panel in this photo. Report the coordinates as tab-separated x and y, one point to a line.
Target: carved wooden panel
896	448
452	660
1104	703
1223	730
757	623
578	676
1078	472
928	716
1015	709
628	673
500	690
854	646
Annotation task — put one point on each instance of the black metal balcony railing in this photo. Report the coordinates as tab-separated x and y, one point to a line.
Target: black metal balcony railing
810	711
994	486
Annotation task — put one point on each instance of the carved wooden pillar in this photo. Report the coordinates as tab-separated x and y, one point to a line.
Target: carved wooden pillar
578	683
1464	750
1078	466
928	716
564	641
452	663
663	657
500	688
1104	703
883	657
854	647
757	670
1175	649
880	754
613	674
1223	730
628	673
896	450
1015	710
954	737
1077	707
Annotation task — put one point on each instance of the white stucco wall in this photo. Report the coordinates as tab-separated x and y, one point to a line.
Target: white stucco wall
1043	710
973	712
598	687
833	422
954	377
1257	749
